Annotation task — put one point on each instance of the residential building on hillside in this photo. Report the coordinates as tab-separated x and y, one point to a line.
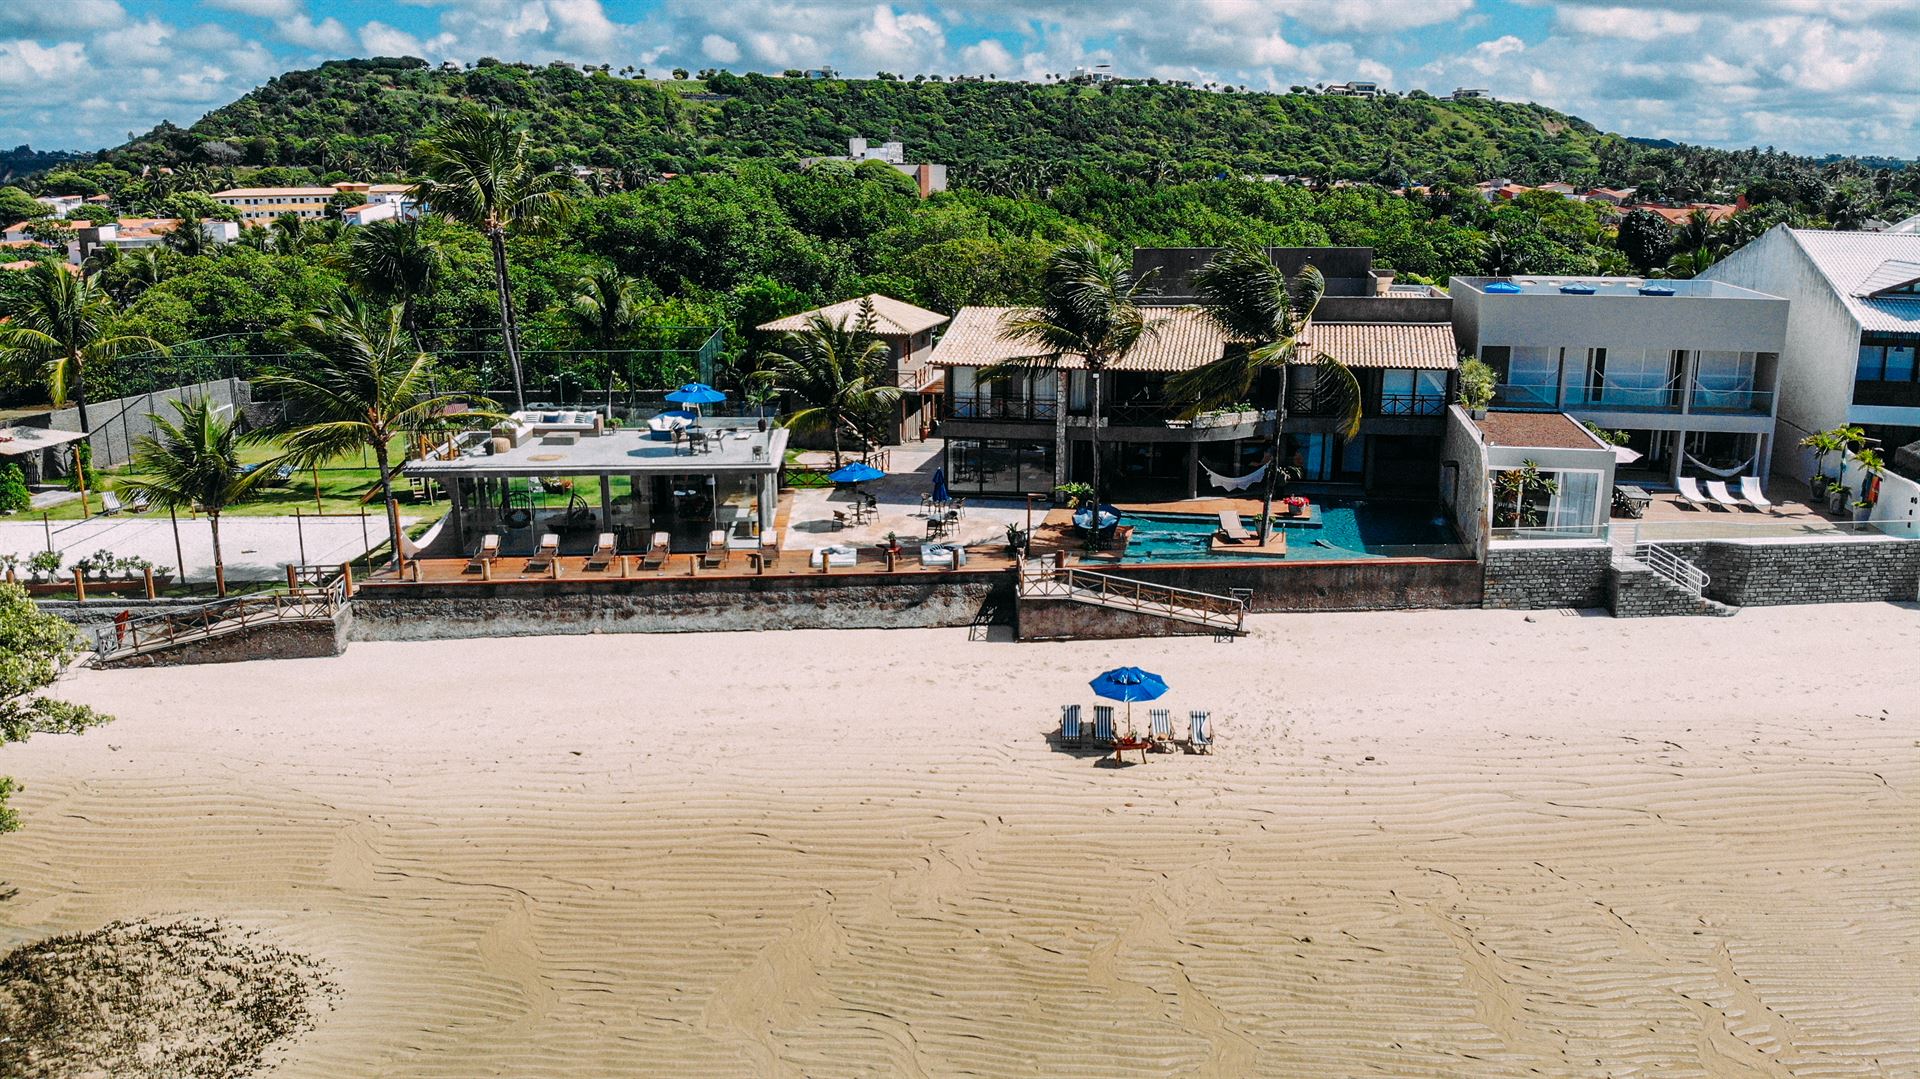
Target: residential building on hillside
907	332
260	205
1353	89
60	205
1849	356
1689	370
930	178
1462	93
1030	434
127	234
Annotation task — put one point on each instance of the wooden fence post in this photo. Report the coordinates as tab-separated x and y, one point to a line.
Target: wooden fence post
79	584
346	579
150	589
293	578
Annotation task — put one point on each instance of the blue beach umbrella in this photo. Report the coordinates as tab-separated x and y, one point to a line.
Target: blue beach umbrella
857	472
696	394
1129	684
940	492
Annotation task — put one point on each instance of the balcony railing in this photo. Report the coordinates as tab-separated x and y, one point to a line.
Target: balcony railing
1627	398
1890	394
987	407
1410	404
1706	399
1518	395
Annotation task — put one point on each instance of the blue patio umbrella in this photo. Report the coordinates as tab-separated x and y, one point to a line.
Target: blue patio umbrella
940	492
1129	684
857	472
696	394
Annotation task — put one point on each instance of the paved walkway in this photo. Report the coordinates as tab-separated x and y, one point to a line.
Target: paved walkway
256	548
909	475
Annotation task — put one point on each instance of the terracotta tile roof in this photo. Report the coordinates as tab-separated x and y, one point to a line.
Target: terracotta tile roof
891	316
1186	339
1427	346
1536	430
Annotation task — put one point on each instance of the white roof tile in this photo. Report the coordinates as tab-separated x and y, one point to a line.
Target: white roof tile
891	316
1860	263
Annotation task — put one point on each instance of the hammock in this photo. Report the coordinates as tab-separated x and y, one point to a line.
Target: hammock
1235	483
1724	473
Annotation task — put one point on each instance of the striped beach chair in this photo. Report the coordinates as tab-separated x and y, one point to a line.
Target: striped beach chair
1200	732
1071	733
1160	725
1103	723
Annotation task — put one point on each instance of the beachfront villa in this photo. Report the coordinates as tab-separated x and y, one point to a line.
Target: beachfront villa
907	332
1028	435
1851	335
1689	370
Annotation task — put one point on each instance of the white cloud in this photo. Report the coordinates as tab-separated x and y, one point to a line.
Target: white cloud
379	39
719	49
261	9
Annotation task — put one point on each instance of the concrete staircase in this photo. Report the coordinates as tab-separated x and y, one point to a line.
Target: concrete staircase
1652	582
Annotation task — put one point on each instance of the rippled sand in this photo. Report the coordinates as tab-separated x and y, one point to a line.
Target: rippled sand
1457	844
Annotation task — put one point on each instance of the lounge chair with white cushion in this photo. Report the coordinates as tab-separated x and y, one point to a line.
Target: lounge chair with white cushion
948	555
1750	490
1071	732
1690	492
110	504
1103	723
489	550
834	555
542	560
657	552
602	555
1717	490
1232	529
716	553
1200	732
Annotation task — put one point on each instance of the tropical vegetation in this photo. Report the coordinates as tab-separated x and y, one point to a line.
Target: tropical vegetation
192	462
835	373
34	648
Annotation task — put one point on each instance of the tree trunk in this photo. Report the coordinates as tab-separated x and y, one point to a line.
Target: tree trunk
386	495
508	331
833	423
1274	450
1093	480
219	562
79	395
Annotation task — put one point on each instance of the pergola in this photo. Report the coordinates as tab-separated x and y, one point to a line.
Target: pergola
33	449
627	482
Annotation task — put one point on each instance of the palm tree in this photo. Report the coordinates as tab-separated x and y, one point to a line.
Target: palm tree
59	331
356	381
193	463
1263	315
288	234
604	312
480	173
395	261
837	371
188	237
1090	311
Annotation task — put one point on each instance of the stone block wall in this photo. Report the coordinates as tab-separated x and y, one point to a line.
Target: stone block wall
1635	591
1748	574
1544	576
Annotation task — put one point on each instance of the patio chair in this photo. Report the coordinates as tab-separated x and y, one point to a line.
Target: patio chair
140	502
543	556
602	555
110	503
1103	723
1717	490
1160	725
1200	732
657	552
489	550
717	551
1690	492
839	519
1750	490
1231	527
1071	732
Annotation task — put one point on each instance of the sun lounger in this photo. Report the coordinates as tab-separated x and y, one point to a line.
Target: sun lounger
1200	732
1231	527
602	555
1071	732
1750	490
1690	492
489	550
1717	490
1160	725
657	552
542	560
834	555
950	555
139	502
716	553
1103	723
110	503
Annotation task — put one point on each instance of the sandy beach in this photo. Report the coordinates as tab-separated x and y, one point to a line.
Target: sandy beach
1430	844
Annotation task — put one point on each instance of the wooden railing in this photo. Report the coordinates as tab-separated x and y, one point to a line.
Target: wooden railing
322	601
1047	580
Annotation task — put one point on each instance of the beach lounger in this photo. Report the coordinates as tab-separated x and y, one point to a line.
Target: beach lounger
1103	723
1717	490
942	554
834	555
110	503
489	550
1231	527
602	555
1200	732
1160	725
1071	732
1690	492
542	560
657	552
716	553
140	502
1750	490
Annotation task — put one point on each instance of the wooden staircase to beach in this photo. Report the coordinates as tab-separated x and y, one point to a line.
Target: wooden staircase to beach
214	632
1139	608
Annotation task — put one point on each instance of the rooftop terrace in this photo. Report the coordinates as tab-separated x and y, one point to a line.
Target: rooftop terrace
1651	288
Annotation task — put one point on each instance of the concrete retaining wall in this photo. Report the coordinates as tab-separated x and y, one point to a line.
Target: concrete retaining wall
1748	574
1545	576
838	601
302	639
1372	585
119	423
1048	619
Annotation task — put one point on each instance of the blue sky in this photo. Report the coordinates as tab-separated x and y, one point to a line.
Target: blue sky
1811	76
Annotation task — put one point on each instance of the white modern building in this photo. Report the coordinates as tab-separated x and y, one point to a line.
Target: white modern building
61	205
930	178
1849	356
1687	369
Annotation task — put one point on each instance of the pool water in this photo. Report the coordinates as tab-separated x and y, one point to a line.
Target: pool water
1340	528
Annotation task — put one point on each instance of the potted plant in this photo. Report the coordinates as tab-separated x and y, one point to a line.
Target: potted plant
1016	539
98	566
44	564
892	544
9	565
1074	493
1298	506
1478	383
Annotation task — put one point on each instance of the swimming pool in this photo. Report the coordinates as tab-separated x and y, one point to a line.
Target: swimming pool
1340	528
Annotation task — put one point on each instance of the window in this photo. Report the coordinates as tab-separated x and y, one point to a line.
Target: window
1886	357
1003	466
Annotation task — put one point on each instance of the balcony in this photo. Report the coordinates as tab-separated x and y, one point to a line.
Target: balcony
1612	396
1526	397
980	406
1306	404
1887	394
1705	400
